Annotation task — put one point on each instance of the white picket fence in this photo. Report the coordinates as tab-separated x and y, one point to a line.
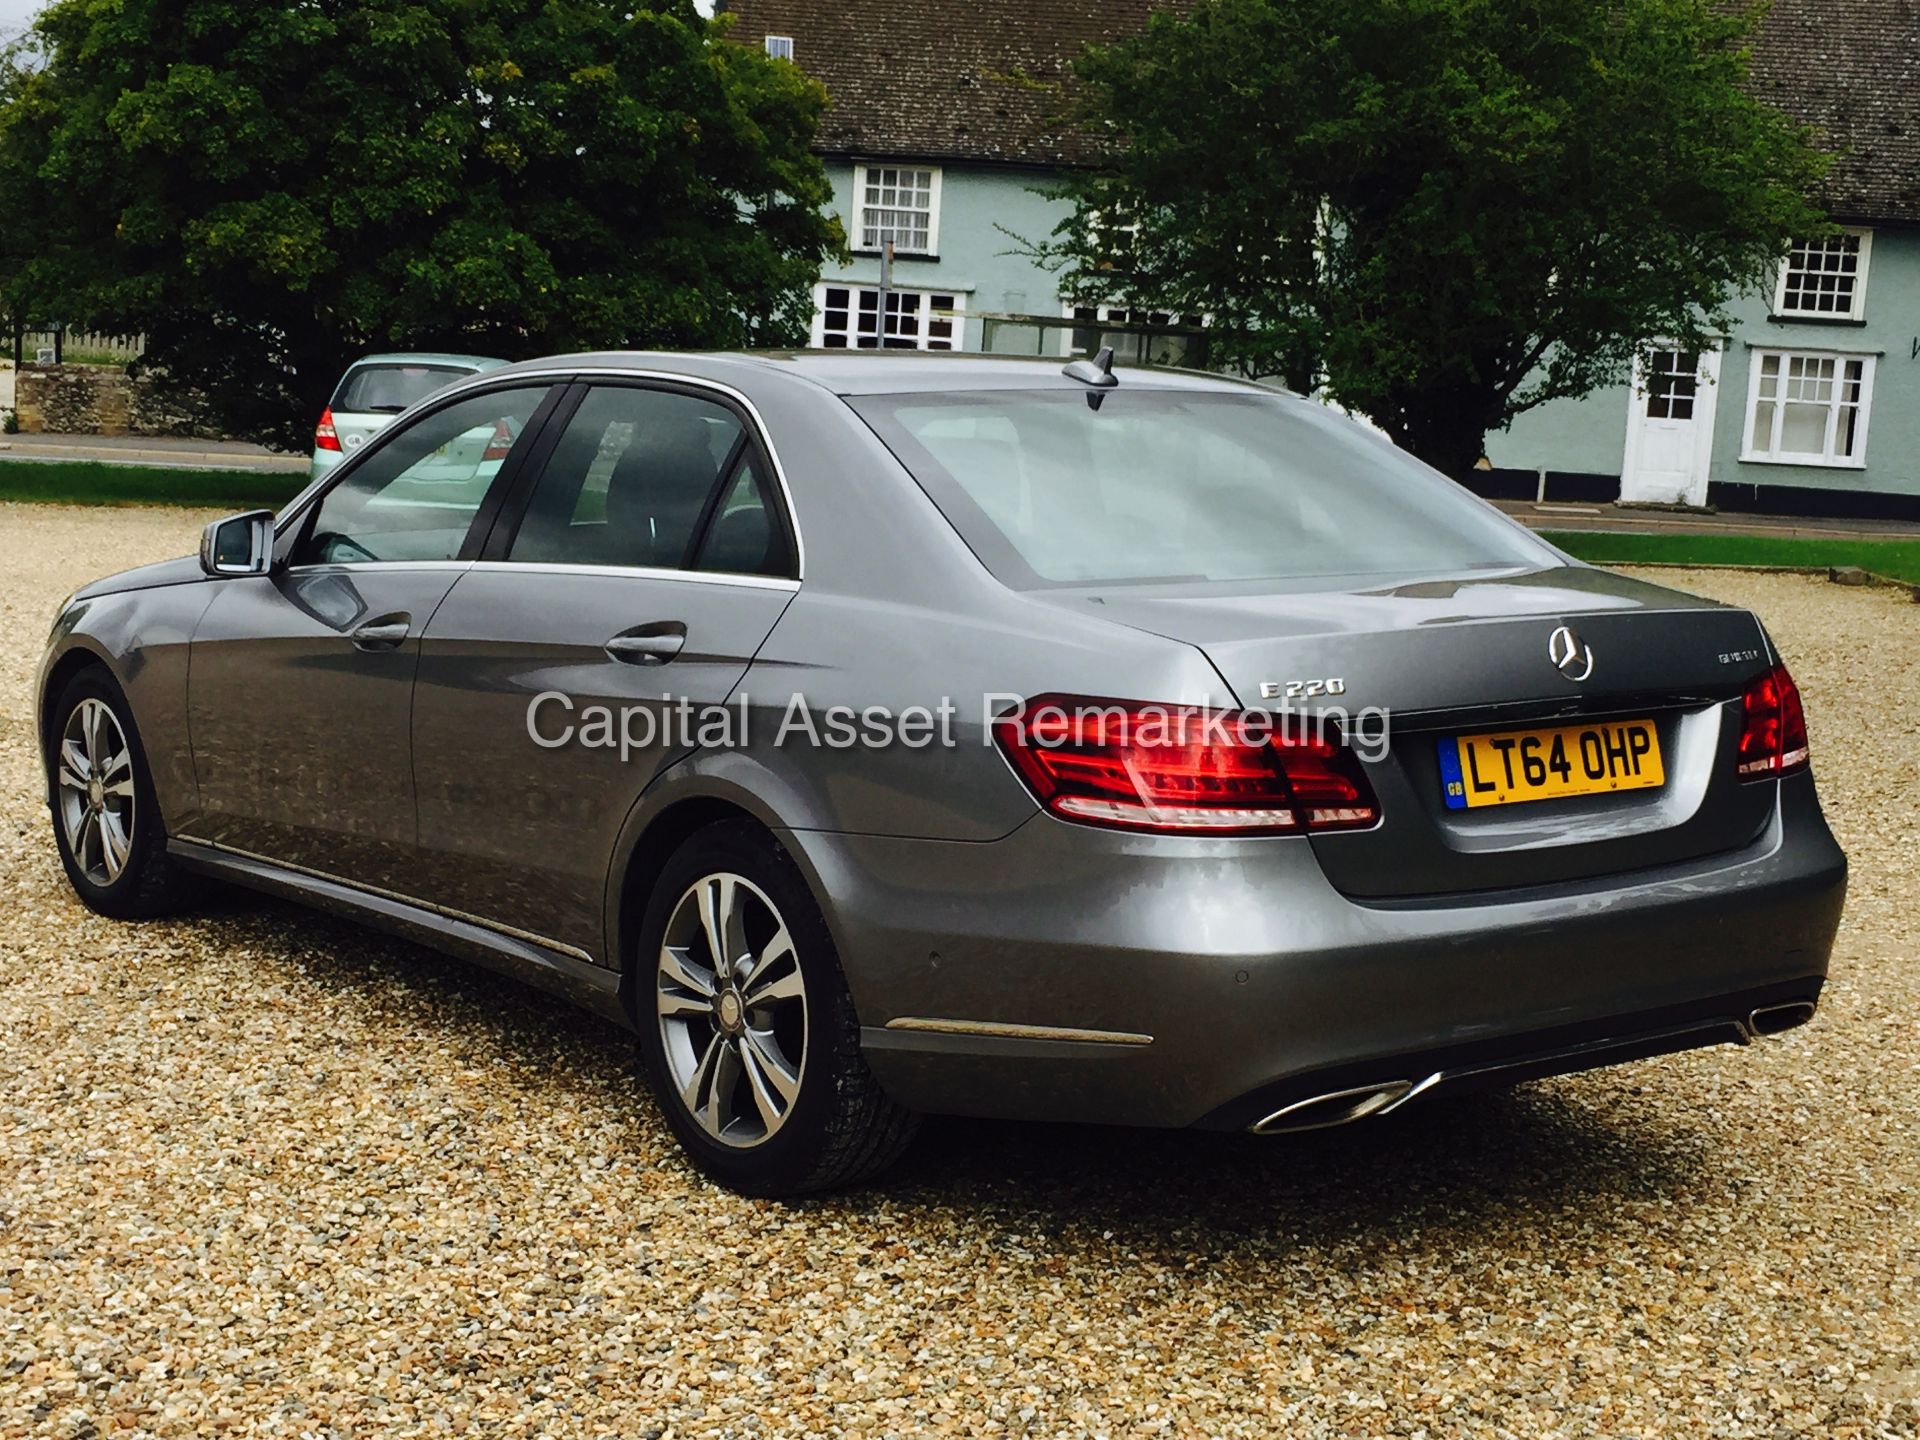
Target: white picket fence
37	345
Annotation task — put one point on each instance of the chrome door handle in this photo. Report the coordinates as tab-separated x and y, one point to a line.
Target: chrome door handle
655	649
389	635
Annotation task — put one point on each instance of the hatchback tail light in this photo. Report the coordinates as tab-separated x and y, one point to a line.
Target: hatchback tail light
1182	769
501	445
1773	730
325	437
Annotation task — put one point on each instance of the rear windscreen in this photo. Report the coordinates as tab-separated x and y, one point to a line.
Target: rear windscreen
1166	485
389	389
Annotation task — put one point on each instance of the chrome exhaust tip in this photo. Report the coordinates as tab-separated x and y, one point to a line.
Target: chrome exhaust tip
1339	1107
1772	1019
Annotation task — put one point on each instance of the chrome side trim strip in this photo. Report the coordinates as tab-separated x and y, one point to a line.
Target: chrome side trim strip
1001	1031
634	572
445	912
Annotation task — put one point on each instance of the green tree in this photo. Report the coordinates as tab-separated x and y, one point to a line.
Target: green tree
267	188
1444	211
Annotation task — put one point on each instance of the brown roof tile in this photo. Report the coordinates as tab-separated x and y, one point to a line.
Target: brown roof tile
1851	69
979	80
939	80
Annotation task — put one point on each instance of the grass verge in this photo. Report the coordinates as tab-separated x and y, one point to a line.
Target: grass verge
90	482
1896	559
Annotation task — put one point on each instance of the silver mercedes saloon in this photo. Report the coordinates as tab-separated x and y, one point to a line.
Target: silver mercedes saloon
888	734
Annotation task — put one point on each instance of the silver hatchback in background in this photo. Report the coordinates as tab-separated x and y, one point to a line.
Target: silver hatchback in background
377	388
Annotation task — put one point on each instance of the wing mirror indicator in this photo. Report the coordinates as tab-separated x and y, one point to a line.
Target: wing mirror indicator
238	545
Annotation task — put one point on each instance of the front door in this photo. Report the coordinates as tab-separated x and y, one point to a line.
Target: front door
647	567
300	687
1670	426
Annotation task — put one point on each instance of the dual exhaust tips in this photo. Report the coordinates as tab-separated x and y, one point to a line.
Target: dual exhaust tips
1342	1107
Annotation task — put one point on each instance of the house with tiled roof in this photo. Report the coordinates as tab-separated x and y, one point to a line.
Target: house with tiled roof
1811	401
945	137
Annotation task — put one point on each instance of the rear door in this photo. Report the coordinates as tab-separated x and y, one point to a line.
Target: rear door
301	681
634	579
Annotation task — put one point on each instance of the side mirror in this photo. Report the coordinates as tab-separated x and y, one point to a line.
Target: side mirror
238	545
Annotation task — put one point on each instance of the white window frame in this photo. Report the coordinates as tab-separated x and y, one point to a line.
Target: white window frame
859	217
1827	460
779	47
1858	311
957	314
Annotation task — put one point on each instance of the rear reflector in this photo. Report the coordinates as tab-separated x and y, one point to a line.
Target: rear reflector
502	443
325	437
1773	730
1183	769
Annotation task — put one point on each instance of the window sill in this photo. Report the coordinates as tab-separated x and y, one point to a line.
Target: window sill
930	257
1844	321
1809	462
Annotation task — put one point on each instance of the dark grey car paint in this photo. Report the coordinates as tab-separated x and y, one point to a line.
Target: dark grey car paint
1247	961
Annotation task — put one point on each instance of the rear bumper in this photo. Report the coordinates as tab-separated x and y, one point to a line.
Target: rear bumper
1031	971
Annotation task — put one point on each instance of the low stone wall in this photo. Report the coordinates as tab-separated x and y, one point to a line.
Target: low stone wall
100	400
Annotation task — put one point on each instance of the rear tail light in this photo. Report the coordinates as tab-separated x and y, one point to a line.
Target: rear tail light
325	437
1182	769
502	443
1773	730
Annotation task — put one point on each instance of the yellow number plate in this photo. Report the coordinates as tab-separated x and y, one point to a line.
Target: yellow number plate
1521	765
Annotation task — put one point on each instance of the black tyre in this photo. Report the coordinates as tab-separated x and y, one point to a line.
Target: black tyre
746	1027
106	821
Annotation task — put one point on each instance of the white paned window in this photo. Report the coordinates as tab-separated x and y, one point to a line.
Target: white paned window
1826	278
1808	408
900	203
780	47
847	317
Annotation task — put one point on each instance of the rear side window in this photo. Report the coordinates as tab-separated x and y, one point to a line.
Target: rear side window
1048	488
389	389
631	480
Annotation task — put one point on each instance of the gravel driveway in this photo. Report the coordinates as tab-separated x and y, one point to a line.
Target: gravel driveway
266	1173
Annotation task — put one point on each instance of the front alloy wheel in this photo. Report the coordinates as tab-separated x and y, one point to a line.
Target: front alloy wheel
732	1010
96	794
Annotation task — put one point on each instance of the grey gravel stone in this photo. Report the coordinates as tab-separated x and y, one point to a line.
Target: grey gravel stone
263	1173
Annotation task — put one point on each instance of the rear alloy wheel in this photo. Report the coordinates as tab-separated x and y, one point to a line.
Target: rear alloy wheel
106	821
733	1010
746	1027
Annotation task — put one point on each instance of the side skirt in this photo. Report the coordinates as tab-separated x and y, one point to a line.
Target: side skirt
571	975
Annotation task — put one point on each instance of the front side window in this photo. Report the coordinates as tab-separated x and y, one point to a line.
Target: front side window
847	317
415	497
898	203
1183	487
632	481
1809	408
1826	278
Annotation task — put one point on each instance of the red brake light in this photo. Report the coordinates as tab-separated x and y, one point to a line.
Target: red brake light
1183	769
325	437
1773	731
501	445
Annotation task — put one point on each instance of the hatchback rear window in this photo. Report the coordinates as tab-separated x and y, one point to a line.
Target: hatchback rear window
1050	489
389	389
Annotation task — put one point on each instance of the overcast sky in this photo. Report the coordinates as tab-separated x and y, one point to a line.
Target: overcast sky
13	15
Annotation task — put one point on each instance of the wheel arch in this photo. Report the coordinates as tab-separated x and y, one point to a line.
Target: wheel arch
59	675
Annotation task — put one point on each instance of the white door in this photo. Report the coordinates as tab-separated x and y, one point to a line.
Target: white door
1670	426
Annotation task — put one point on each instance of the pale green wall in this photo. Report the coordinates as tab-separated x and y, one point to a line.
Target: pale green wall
1589	435
974	258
